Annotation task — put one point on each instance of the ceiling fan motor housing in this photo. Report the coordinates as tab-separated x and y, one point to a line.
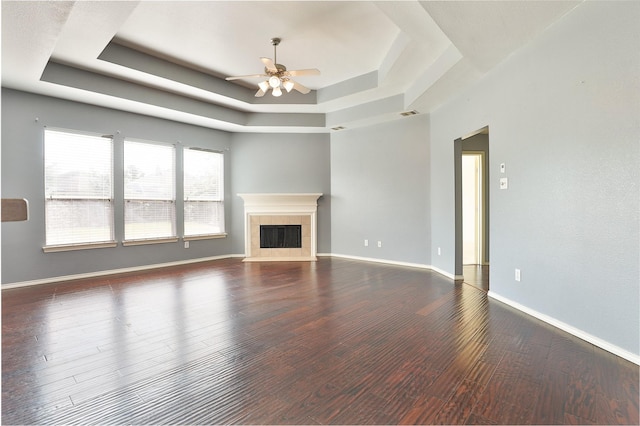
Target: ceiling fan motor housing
281	70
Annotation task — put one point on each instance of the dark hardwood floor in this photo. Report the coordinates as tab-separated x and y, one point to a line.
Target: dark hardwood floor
476	275
334	341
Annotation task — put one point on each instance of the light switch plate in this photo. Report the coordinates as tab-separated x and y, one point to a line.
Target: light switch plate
503	168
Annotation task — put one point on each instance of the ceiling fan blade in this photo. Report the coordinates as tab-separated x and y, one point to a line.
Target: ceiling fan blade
246	76
260	93
300	88
311	71
269	65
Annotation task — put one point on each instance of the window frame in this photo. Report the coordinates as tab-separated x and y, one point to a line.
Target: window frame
172	202
84	245
220	200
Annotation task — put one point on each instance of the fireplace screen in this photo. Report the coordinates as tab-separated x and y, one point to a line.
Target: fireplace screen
280	236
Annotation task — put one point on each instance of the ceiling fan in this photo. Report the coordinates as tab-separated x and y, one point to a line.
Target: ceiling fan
277	76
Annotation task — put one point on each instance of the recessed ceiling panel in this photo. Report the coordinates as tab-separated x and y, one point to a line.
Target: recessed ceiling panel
341	39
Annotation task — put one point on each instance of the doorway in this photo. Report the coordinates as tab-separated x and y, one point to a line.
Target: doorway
472	205
472	208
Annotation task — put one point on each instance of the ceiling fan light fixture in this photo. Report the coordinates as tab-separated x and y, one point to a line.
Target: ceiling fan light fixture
264	86
288	85
274	81
277	91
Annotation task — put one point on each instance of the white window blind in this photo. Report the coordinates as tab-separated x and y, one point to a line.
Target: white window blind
203	192
149	191
78	173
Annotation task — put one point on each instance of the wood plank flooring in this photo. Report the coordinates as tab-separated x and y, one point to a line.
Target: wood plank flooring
476	275
330	342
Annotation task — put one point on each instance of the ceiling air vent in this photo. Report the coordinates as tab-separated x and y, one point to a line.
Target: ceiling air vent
408	113
338	128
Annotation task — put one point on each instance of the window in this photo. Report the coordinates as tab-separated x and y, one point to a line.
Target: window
203	193
78	174
149	192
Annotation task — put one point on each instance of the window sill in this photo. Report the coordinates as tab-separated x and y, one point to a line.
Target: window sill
111	244
204	237
83	246
150	241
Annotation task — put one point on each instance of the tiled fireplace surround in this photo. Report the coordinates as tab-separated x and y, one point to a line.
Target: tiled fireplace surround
280	209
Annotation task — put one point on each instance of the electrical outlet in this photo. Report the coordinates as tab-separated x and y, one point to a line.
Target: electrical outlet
379	243
366	243
186	244
439	251
504	183
517	274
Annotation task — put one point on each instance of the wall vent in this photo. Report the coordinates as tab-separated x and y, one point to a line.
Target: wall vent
337	128
408	113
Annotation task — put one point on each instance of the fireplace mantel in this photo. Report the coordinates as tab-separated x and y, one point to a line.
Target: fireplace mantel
277	201
280	209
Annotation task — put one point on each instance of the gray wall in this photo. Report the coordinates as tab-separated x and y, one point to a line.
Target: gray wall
23	177
276	163
380	188
563	116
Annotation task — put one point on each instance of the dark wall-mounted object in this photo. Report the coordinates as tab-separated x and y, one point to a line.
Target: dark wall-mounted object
15	209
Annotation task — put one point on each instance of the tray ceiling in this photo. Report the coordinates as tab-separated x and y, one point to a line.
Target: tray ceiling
169	58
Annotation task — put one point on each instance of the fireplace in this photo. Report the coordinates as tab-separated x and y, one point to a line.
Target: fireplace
280	227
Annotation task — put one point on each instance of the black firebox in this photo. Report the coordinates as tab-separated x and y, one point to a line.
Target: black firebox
280	236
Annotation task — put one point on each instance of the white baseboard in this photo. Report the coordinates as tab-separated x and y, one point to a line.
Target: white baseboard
394	262
623	353
374	260
114	271
446	274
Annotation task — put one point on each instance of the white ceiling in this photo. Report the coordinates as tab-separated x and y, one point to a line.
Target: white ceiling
169	58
